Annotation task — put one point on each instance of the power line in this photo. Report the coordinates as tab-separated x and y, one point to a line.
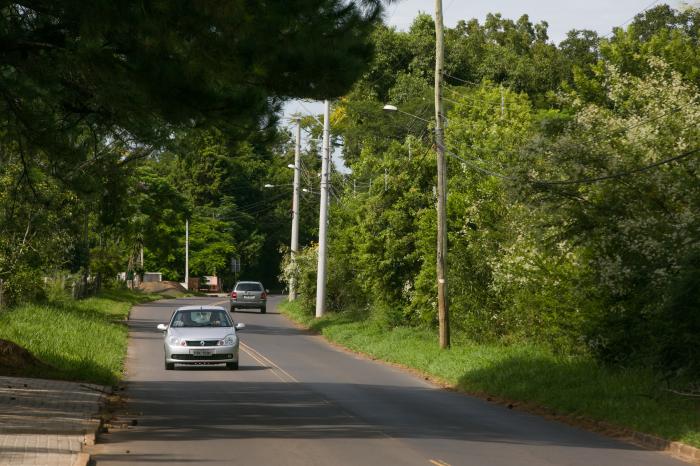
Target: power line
477	167
476	99
580	180
461	80
620	174
629	19
310	113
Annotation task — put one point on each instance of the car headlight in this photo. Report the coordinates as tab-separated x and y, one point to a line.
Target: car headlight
175	341
229	340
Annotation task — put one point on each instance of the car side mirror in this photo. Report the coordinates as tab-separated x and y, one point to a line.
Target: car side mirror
240	326
162	327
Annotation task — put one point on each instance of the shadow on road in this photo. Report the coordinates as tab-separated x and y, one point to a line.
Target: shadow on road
194	410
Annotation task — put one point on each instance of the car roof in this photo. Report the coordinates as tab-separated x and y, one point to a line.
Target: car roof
200	308
248	281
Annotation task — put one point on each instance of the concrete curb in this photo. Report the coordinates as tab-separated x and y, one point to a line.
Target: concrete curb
82	460
89	439
677	450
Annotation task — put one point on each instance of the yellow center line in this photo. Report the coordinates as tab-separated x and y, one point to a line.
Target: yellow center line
264	364
439	463
264	360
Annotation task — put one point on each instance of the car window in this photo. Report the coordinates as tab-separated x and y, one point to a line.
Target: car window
249	287
201	318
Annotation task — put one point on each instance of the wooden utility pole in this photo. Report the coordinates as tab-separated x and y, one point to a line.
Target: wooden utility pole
443	310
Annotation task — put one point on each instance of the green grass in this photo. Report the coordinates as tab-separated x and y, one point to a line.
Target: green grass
570	386
83	340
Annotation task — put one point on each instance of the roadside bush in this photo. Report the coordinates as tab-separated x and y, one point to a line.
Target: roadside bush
23	286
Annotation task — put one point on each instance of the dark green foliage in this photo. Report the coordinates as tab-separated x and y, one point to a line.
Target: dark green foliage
88	91
680	321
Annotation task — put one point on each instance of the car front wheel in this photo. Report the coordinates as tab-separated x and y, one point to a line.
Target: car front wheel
169	366
232	366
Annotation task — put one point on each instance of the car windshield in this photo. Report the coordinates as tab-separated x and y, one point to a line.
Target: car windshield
249	287
201	318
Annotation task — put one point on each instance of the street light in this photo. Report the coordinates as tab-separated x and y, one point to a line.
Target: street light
394	108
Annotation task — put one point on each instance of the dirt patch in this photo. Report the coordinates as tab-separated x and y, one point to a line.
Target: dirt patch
16	360
166	288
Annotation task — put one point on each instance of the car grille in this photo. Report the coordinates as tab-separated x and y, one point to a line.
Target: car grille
192	357
199	342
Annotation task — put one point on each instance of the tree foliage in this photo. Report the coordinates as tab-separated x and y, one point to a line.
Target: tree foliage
106	107
572	196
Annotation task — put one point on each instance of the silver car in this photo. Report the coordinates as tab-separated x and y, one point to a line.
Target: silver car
249	295
201	335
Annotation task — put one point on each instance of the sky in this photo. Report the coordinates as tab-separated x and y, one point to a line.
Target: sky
561	15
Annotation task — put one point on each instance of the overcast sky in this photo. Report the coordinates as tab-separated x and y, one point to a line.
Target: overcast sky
561	15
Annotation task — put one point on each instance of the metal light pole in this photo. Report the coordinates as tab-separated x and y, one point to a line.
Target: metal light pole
323	215
294	247
443	311
187	254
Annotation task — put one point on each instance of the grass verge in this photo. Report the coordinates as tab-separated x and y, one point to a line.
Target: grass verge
82	340
576	388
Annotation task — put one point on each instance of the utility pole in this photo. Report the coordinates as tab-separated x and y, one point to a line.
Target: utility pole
187	254
323	215
443	310
294	247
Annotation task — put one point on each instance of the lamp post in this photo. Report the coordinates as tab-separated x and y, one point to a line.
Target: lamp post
187	254
294	246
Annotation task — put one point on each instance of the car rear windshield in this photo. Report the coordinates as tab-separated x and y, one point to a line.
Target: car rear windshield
201	318
249	287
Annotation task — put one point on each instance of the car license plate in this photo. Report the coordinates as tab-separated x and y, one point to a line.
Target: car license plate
249	297
201	352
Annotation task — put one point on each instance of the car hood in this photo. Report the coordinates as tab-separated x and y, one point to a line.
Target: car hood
201	333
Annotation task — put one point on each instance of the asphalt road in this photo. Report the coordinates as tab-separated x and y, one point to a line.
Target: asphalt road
298	401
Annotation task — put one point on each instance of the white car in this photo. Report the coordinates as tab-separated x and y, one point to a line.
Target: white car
201	335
